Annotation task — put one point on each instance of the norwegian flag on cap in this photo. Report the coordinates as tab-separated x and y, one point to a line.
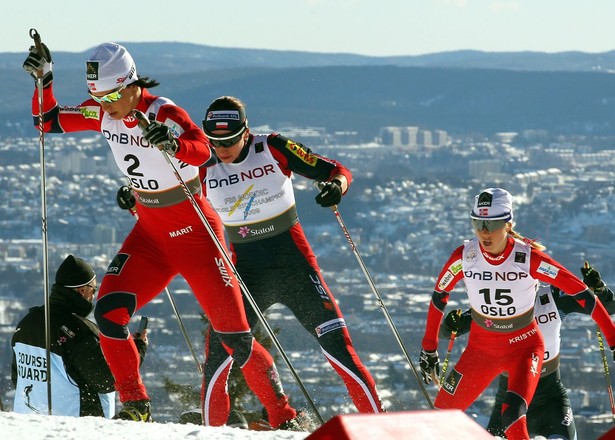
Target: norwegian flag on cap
493	204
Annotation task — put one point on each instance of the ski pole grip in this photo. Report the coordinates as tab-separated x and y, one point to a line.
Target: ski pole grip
36	37
141	118
39	47
319	186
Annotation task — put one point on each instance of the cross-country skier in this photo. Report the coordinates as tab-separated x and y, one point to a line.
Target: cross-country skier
169	237
550	412
252	191
501	271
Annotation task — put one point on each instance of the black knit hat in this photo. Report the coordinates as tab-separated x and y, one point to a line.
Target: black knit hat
74	272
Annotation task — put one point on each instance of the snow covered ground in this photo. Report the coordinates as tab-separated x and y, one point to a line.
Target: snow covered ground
25	427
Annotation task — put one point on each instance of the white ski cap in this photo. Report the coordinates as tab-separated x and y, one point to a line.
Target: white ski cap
108	67
493	204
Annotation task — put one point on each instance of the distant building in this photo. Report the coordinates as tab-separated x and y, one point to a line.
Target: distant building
424	138
440	138
506	137
552	157
391	136
534	136
480	169
305	135
345	137
412	137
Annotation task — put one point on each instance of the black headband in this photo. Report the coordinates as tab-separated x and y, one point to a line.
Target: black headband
233	121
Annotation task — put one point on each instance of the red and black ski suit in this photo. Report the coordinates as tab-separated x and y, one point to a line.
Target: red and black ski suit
168	239
255	199
504	337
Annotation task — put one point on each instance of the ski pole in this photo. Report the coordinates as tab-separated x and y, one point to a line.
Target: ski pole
41	141
143	123
370	281
448	356
607	376
183	330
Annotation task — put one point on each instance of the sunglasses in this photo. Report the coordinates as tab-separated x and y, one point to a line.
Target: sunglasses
94	288
489	225
109	98
225	141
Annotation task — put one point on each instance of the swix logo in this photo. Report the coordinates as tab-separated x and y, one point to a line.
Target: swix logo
319	287
274	381
228	280
490	257
534	367
130	121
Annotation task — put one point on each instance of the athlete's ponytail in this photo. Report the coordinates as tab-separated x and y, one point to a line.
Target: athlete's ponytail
534	243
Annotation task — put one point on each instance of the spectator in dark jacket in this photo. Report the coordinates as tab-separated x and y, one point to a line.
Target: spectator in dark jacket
81	382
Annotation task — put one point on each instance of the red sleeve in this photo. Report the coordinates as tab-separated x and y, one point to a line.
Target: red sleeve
449	276
281	160
544	268
451	273
193	144
65	119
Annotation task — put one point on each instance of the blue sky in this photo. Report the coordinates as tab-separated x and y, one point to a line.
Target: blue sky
368	27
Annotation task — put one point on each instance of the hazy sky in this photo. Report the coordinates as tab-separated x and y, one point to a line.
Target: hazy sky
369	27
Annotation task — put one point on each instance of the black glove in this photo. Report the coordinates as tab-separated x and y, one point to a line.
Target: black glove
125	198
430	365
37	61
591	277
452	321
158	134
330	194
141	345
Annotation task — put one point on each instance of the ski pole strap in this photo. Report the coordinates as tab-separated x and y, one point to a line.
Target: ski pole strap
169	197
503	325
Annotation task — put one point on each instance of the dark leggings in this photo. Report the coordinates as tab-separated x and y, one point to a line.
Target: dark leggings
283	270
549	413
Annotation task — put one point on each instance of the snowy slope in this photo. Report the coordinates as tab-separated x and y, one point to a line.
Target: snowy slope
29	427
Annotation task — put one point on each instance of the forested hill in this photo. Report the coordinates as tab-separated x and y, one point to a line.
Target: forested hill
460	92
